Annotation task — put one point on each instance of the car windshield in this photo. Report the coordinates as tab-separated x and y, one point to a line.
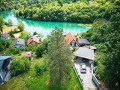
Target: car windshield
83	69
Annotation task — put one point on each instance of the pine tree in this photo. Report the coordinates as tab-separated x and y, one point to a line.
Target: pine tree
60	57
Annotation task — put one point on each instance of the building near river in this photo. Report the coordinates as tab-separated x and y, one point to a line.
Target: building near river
82	42
33	39
18	43
71	40
85	54
5	35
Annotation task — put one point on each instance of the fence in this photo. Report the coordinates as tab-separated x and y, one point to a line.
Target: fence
78	76
95	81
94	78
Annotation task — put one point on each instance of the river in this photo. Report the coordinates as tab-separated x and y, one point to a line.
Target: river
43	27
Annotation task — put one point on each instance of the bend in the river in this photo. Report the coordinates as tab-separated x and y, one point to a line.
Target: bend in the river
43	27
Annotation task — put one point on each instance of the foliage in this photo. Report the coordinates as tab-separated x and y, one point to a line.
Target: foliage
45	43
105	35
35	33
11	50
40	82
40	50
21	26
80	12
24	34
40	68
1	24
60	57
19	65
10	22
4	45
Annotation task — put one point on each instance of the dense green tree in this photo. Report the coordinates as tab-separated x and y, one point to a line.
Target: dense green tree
80	12
19	65
24	34
21	26
1	24
40	50
59	58
10	22
106	37
40	68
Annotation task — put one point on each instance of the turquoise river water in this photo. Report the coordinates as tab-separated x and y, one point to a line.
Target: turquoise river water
43	27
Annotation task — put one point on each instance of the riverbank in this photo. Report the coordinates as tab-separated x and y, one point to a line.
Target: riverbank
11	28
43	27
8	29
88	25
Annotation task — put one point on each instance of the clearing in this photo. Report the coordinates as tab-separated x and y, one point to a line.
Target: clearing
41	82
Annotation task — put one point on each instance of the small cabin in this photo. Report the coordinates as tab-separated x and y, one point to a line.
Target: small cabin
28	54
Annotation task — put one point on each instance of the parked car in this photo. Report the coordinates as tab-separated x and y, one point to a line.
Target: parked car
83	68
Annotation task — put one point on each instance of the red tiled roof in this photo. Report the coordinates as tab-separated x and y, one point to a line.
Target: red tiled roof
5	35
28	54
69	38
34	39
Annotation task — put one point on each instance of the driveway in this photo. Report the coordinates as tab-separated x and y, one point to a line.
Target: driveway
88	84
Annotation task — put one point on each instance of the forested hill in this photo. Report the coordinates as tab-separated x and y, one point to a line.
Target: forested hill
81	11
105	35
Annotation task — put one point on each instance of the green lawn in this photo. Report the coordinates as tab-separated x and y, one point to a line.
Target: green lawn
39	82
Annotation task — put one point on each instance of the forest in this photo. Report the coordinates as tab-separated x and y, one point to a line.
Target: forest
105	35
80	11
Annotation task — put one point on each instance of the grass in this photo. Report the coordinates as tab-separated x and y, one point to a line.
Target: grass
7	29
88	25
41	82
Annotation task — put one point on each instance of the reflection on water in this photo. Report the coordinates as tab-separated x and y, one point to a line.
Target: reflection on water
43	27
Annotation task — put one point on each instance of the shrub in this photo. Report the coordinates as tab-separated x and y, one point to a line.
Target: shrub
74	48
19	65
40	50
39	69
10	22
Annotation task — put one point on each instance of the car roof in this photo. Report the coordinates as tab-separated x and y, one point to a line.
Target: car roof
83	66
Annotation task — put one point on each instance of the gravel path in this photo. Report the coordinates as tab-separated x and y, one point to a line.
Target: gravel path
87	77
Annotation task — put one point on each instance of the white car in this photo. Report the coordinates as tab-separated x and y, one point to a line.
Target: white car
83	68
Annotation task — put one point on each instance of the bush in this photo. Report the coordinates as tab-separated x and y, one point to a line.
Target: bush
19	65
40	50
4	45
39	69
10	22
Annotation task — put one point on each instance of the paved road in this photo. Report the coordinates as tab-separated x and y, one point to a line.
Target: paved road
87	77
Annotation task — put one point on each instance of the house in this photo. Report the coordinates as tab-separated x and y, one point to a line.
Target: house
82	42
93	48
28	54
18	43
5	62
33	39
71	40
5	35
84	54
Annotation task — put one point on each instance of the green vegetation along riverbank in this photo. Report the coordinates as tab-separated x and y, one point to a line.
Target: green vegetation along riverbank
79	12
